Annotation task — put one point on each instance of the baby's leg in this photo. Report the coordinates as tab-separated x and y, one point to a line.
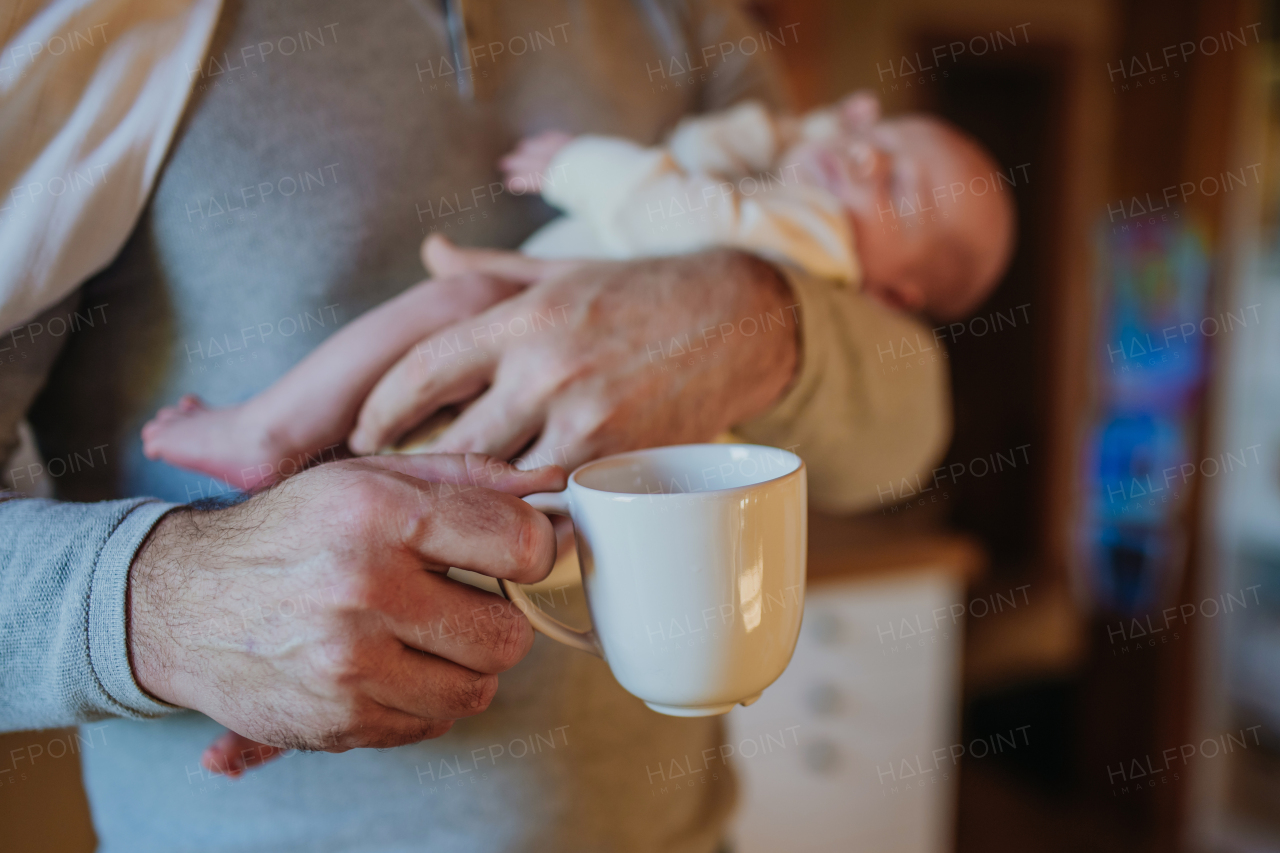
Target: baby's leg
314	405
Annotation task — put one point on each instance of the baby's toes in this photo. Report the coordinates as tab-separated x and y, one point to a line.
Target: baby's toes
438	256
151	439
161	420
190	403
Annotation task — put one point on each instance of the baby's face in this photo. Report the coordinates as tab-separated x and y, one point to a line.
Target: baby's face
897	179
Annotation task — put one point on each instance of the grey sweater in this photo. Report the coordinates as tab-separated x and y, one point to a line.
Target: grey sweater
295	196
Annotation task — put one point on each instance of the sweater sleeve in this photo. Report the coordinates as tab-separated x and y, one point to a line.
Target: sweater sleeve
859	413
64	571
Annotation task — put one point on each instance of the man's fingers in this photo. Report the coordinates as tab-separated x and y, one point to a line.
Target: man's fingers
484	531
472	469
442	257
499	423
566	449
232	754
431	688
455	621
434	374
468	514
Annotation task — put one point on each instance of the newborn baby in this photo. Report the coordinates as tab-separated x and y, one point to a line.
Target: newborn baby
908	208
826	192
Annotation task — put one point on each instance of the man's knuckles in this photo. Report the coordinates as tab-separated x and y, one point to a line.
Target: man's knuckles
504	633
535	548
548	373
362	500
342	666
528	540
467	694
424	730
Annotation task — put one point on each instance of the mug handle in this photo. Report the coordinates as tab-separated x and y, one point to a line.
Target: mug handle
551	503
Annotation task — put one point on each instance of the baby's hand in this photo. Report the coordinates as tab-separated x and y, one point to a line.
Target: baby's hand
531	158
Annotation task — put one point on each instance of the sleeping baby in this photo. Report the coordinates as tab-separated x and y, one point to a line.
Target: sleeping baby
908	209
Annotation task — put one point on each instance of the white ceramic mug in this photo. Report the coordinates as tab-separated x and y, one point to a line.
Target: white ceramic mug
693	564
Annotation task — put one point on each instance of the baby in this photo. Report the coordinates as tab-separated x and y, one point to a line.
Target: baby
909	209
888	205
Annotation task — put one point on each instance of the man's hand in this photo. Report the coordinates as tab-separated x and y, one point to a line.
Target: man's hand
596	357
317	615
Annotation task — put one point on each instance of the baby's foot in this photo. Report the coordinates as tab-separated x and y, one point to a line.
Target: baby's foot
232	754
443	259
218	442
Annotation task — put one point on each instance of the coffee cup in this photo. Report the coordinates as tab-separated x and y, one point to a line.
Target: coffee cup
693	566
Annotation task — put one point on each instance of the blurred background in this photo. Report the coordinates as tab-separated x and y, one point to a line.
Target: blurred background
1068	637
1116	682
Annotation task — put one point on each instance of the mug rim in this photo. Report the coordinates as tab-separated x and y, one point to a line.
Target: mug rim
574	483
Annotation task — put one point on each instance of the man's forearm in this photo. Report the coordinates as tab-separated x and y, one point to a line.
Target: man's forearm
861	417
770	368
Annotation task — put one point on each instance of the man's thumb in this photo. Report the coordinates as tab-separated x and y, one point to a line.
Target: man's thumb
474	469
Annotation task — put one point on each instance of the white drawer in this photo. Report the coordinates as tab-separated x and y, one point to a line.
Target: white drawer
861	708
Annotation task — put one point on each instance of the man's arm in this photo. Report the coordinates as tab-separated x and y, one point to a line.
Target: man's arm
870	403
63	574
63	569
859	415
310	616
676	350
307	616
629	354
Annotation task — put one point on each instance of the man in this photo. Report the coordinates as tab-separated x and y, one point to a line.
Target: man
300	616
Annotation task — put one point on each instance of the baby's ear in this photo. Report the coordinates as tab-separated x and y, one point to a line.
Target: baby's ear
861	109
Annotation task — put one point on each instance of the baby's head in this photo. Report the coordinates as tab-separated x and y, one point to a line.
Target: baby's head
933	225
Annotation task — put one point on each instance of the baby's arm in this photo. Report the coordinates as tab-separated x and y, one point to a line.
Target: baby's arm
642	202
739	141
586	176
573	173
742	140
526	167
771	214
307	414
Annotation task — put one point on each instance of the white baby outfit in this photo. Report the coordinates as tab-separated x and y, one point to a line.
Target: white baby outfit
724	179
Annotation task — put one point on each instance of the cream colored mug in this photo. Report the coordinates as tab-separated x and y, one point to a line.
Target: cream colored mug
693	565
